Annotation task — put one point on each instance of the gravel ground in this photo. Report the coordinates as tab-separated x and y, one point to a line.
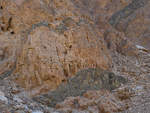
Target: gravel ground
140	103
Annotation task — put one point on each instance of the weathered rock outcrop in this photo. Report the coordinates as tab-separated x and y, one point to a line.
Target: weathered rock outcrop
46	44
53	57
85	80
52	40
72	51
134	21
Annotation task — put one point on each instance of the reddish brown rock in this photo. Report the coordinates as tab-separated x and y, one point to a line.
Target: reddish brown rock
53	57
55	39
43	43
100	101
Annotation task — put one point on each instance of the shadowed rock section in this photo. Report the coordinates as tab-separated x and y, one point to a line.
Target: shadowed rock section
127	12
87	79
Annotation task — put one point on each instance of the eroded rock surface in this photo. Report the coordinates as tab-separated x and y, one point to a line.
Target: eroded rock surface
133	20
88	79
55	39
63	48
52	58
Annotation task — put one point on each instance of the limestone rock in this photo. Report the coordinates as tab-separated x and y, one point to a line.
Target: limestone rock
48	42
48	58
44	42
68	49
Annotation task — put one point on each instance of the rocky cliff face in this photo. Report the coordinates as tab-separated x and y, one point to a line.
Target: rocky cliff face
52	40
49	46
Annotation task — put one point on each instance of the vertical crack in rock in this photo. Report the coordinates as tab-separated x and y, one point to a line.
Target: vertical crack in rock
126	12
87	79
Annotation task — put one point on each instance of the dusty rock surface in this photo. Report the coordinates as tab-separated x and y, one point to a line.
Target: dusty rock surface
74	56
134	20
53	58
88	79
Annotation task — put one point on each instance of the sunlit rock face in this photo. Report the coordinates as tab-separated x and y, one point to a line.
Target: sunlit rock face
66	55
48	58
55	42
44	42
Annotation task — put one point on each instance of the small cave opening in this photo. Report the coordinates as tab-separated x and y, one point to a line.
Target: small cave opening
1	7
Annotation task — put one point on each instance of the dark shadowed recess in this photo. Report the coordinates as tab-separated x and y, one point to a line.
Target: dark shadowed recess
87	79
